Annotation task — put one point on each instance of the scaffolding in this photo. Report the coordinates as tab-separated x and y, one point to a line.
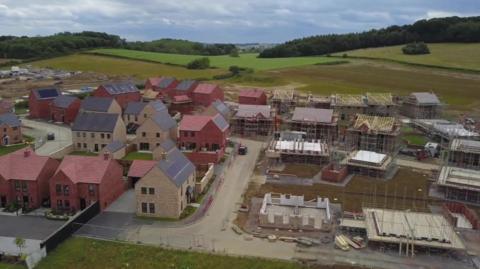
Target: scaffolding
373	133
318	101
318	124
381	104
253	120
464	153
299	151
422	106
284	100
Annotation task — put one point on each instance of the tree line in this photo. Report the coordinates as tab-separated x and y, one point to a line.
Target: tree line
450	29
178	46
55	45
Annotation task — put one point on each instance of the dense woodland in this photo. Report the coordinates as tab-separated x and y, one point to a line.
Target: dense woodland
177	46
451	29
59	44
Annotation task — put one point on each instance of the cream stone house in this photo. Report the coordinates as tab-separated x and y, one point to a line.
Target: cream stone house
156	129
93	131
139	112
167	189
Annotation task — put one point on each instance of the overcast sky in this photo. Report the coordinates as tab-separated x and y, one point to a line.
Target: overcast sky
237	21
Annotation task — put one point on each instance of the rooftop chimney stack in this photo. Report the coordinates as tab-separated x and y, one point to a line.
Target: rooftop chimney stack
26	153
106	155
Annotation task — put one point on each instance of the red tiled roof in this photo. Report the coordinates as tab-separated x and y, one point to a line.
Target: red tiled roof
255	93
140	168
85	169
205	88
155	81
18	165
193	122
181	99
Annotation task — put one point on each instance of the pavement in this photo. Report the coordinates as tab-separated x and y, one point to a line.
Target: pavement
126	203
28	227
7	245
40	129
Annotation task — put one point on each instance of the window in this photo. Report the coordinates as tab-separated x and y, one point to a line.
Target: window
158	134
108	136
151	190
215	147
144	134
78	134
158	144
58	189
67	203
17	185
92	135
84	134
91	189
136	118
152	208
84	145
144	190
102	136
59	203
192	134
5	130
79	145
144	208
66	190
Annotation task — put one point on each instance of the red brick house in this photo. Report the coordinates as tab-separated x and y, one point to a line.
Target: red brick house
40	101
185	87
24	178
123	92
252	97
205	94
6	107
10	129
65	109
164	85
80	181
203	138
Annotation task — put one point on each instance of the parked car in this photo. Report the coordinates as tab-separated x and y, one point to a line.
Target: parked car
50	136
242	150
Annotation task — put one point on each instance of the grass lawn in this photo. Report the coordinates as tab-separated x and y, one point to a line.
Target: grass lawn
452	55
124	67
83	253
414	139
138	156
11	266
249	60
4	150
83	153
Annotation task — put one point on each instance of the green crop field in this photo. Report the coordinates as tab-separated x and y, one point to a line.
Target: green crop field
123	67
82	253
249	60
450	55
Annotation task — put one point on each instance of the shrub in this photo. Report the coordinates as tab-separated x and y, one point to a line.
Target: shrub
416	48
200	63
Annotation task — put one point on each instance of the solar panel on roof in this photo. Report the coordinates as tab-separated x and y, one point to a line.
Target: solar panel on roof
47	93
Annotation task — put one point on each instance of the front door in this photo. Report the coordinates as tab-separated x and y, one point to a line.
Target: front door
96	147
83	204
25	201
3	201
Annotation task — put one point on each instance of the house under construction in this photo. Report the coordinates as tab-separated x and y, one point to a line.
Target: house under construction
458	184
373	133
422	105
253	120
381	104
317	123
371	164
298	151
347	106
318	101
464	153
284	100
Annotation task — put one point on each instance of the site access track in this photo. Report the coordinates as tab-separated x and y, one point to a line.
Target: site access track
213	232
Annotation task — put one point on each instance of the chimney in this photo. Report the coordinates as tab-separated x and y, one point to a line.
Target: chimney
26	153
106	155
163	156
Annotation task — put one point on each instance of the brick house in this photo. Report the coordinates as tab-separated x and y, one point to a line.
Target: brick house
185	87
40	100
24	178
252	97
100	105
218	107
163	85
65	109
123	92
205	94
138	169
138	112
10	129
167	189
253	120
154	130
203	138
93	131
6	107
317	123
82	180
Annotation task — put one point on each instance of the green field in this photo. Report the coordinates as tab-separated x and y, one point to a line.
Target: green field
249	60
123	67
450	55
82	253
11	266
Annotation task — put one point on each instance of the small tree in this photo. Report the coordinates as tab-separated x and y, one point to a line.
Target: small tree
20	242
200	63
416	48
234	53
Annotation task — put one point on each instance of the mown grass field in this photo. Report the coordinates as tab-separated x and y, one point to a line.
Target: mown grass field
451	55
249	60
82	253
123	67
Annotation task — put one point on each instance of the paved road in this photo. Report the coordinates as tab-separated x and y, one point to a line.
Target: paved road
417	164
39	130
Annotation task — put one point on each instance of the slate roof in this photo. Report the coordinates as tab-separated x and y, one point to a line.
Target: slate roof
10	119
221	108
308	114
16	166
95	122
426	98
97	104
114	146
120	88
247	111
164	120
165	82
253	93
176	167
168	145
64	101
205	88
46	93
140	168
185	85
85	169
220	121
134	108
158	105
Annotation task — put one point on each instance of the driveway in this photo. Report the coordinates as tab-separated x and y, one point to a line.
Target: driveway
28	227
40	129
124	204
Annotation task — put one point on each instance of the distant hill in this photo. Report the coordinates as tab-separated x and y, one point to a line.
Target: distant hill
178	46
55	45
450	29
